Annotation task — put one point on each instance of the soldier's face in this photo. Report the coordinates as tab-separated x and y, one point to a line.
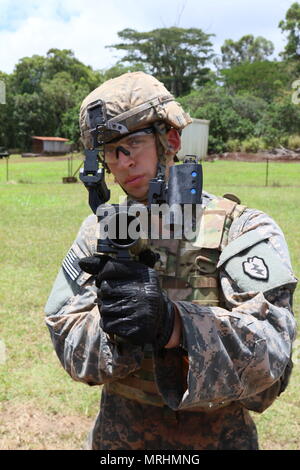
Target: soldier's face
133	171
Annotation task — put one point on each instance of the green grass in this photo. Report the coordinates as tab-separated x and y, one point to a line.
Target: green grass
39	222
238	174
31	170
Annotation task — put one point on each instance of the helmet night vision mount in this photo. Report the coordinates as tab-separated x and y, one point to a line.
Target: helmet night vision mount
103	130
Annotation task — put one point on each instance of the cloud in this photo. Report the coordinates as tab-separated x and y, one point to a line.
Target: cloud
48	28
87	26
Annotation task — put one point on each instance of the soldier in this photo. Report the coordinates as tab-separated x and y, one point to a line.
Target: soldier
187	347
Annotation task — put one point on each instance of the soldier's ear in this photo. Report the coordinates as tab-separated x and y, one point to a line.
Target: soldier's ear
174	141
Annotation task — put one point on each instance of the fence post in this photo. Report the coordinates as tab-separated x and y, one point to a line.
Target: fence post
267	172
7	169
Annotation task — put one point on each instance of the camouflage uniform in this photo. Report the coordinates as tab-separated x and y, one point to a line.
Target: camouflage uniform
237	337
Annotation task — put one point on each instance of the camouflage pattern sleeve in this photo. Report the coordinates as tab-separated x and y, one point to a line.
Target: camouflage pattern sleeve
242	350
72	316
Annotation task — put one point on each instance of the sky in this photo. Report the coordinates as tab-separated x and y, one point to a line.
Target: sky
31	27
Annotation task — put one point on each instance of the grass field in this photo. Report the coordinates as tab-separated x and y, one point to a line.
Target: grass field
40	406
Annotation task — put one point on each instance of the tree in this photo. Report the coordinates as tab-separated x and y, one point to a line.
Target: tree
7	125
246	49
176	56
229	117
263	79
30	118
291	25
28	74
281	119
44	95
64	61
31	72
119	68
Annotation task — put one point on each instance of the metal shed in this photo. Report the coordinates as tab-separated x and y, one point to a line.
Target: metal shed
50	145
194	139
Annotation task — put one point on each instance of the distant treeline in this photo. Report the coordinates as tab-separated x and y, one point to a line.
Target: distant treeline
250	99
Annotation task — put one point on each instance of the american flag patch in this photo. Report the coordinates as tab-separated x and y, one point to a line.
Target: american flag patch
70	265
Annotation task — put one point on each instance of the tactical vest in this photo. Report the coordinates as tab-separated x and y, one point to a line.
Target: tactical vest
191	276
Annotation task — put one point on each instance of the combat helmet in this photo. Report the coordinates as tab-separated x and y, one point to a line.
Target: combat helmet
128	103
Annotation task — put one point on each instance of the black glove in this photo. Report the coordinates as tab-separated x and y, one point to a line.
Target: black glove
131	302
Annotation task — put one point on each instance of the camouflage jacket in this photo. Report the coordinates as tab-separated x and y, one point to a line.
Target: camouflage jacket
237	350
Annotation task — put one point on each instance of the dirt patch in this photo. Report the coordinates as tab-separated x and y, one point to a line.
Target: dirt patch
24	427
255	157
236	156
44	159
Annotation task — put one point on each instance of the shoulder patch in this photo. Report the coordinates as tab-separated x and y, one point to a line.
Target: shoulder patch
256	268
71	266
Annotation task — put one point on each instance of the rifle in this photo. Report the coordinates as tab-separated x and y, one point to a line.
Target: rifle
184	187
